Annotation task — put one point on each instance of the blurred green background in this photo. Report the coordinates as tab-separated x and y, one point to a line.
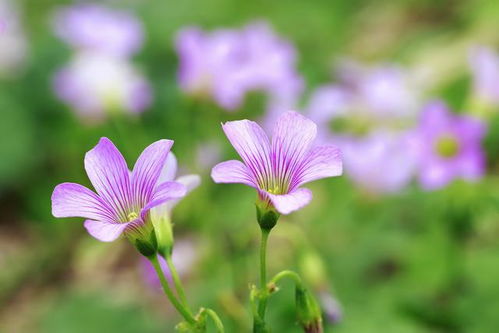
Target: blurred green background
413	262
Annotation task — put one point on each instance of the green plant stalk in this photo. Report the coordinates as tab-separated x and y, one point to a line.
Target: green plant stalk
168	292
216	319
287	274
261	293
263	274
178	283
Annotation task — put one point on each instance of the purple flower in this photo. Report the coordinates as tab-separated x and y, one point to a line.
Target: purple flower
91	27
124	197
278	167
13	44
227	64
449	147
484	64
381	162
386	90
331	307
94	83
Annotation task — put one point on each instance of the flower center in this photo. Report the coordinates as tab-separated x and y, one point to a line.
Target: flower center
132	216
447	146
274	190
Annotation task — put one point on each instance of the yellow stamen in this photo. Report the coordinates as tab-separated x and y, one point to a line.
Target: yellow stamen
132	216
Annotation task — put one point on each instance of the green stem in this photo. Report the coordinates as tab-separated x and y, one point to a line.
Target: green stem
263	273
263	258
216	319
287	274
168	292
176	280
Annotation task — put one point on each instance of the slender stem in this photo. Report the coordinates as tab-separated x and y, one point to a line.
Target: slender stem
263	273
263	258
178	284
216	319
168	292
287	274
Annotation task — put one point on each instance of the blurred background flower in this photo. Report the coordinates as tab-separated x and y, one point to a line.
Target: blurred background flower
227	64
100	79
13	42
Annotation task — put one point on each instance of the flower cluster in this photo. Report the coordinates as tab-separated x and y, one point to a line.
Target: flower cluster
377	117
100	78
227	64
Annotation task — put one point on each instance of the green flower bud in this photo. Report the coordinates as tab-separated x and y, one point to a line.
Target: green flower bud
266	216
308	311
164	231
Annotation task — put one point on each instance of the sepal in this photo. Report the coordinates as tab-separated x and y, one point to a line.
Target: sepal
266	216
308	311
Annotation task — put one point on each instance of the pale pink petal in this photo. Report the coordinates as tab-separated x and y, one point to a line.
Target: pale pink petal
287	203
190	182
169	170
108	173
252	144
320	162
232	172
163	193
75	200
105	231
291	140
147	170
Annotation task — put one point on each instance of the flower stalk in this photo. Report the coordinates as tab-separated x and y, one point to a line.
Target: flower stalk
176	280
169	293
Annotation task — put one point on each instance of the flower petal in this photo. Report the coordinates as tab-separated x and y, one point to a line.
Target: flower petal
75	200
291	140
105	231
147	170
287	203
320	162
253	145
232	172
190	182
169	169
109	175
164	192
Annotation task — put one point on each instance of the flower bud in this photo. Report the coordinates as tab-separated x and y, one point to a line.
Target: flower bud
308	311
163	229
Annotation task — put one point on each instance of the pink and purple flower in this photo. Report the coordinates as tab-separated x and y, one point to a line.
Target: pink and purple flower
278	167
95	28
449	147
227	64
124	198
94	84
13	43
484	64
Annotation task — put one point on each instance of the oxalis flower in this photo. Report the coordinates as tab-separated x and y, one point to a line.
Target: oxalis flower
277	167
124	198
449	147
